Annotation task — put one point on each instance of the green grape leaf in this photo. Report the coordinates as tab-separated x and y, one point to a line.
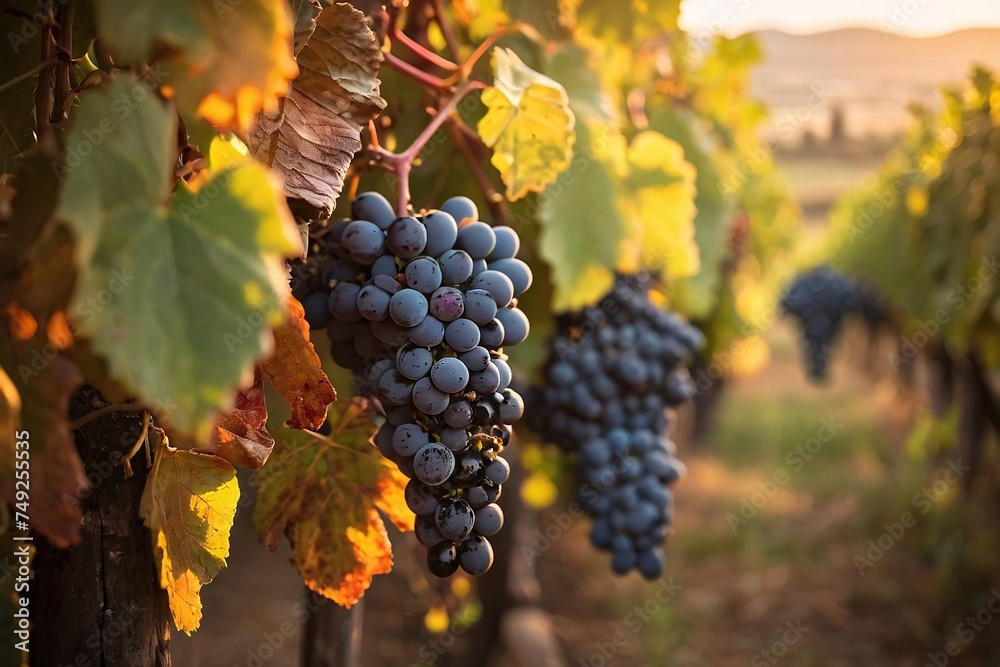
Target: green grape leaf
661	209
313	139
580	220
528	124
134	28
177	292
324	494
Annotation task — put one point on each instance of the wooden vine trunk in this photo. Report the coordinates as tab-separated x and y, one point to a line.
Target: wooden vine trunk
332	636
98	604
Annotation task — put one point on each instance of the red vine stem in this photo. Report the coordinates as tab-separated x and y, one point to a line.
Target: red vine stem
418	49
401	163
413	72
446	31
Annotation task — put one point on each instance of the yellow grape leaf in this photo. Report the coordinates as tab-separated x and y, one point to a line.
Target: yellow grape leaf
480	18
323	493
661	209
243	67
189	504
528	124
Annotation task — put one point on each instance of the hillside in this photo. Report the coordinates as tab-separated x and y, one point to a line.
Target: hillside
872	75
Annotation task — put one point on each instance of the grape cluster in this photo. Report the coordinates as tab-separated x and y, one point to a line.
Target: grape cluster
420	308
613	372
820	299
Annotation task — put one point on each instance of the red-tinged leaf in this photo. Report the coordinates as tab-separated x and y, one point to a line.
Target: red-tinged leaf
295	371
240	435
321	492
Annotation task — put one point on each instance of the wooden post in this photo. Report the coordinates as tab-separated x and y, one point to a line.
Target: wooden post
99	603
332	636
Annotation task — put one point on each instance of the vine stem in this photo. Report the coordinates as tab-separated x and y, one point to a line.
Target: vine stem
419	50
401	163
27	75
143	439
43	91
106	410
62	79
446	31
413	72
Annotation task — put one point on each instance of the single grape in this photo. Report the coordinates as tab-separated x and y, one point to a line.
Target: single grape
469	469
409	439
414	362
517	271
489	520
384	266
455	439
475	555
458	414
425	529
394	388
480	306
441	232
450	375
429	333
373	207
429	399
433	464
461	335
460	208
447	304
419	497
406	237
423	275
456	267
373	303
364	240
477	239
454	518
485	381
498	470
408	307
497	284
515	326
508	244
475	359
316	311
343	302
491	334
442	559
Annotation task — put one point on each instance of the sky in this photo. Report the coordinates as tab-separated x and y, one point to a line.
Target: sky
906	17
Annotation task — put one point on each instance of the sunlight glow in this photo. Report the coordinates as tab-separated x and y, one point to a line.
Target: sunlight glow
915	18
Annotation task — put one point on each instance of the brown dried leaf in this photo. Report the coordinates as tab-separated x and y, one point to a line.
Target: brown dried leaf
240	435
314	138
295	371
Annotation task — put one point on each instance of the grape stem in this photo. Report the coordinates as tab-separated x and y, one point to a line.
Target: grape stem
401	163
